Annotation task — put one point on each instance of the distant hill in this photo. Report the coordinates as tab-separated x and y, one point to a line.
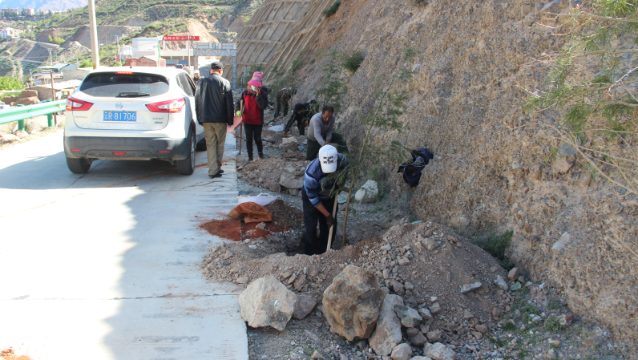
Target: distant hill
42	4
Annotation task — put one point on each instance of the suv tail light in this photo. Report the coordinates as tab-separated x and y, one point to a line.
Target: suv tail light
168	106
73	104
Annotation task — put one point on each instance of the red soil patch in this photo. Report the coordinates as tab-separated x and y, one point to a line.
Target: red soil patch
284	217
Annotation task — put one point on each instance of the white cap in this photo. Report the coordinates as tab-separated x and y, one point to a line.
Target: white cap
328	156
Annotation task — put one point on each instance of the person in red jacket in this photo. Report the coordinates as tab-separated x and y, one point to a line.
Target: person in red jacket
253	101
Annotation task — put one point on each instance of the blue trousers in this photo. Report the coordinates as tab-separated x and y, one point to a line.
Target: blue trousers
311	215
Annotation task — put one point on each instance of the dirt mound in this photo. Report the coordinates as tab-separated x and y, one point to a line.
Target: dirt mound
264	173
284	219
427	277
9	354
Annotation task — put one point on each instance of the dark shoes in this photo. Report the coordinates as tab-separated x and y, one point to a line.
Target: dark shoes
219	174
261	156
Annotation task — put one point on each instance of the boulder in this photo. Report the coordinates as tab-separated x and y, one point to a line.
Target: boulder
273	186
289	181
409	317
303	306
289	143
351	304
387	335
28	94
438	351
418	340
368	192
267	302
401	352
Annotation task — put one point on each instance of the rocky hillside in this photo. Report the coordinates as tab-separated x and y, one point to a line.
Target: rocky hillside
468	68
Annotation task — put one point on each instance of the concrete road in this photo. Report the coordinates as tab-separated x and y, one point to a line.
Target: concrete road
106	265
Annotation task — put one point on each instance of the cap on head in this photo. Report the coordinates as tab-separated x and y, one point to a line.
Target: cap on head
328	156
216	65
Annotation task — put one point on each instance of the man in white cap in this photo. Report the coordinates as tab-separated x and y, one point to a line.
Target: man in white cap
319	192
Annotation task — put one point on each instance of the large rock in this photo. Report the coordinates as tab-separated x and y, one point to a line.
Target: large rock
409	317
387	335
289	181
303	306
28	93
438	351
288	143
267	302
368	192
351	304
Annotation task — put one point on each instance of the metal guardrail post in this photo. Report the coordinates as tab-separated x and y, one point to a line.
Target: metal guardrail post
50	120
21	122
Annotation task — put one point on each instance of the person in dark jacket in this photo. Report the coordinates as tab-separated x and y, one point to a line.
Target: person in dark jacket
301	114
215	111
253	101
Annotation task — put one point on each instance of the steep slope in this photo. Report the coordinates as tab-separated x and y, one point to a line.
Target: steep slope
471	67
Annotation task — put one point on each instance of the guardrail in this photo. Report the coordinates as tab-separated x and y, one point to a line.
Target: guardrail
21	113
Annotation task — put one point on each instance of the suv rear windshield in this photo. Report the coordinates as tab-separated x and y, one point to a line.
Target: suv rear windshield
124	85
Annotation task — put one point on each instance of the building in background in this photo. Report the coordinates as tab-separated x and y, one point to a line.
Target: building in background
144	61
28	12
9	32
9	12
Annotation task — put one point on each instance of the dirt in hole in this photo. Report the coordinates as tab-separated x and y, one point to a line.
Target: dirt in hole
284	218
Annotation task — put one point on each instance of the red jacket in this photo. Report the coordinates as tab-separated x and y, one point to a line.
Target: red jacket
254	107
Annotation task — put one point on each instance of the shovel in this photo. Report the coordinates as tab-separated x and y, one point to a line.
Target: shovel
334	214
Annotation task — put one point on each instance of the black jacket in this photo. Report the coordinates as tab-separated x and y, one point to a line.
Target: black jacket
262	101
214	100
300	114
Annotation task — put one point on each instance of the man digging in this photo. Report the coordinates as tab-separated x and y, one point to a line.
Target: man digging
320	133
319	196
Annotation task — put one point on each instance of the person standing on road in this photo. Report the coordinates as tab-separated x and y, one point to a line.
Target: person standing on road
318	194
253	101
320	133
300	114
215	111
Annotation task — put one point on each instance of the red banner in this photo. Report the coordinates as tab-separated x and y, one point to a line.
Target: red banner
180	38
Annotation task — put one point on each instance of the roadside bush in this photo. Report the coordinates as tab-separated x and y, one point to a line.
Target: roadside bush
10	83
353	62
86	63
332	9
495	245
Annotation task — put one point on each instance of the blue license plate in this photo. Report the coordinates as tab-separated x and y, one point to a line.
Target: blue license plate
126	116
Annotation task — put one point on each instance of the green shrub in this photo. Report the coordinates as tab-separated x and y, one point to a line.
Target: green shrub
332	9
353	62
10	83
86	63
495	245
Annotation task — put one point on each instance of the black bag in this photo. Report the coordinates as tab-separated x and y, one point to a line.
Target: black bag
412	170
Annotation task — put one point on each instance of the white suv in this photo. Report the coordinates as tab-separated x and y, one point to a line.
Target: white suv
139	113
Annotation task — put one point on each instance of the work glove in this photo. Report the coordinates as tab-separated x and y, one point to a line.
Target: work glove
330	220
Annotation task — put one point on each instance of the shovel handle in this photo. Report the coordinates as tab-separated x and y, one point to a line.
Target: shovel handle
334	214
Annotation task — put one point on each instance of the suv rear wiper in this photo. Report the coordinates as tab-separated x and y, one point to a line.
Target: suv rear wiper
133	94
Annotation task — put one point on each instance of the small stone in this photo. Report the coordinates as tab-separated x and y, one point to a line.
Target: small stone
418	340
562	165
564	240
273	186
397	287
427	233
404	261
409	286
435	308
242	280
300	282
430	244
481	328
467	314
538	231
551	354
401	352
291	279
434	336
470	287
590	341
566	149
516	286
367	193
424	328
261	226
521	279
496	313
425	313
409	317
514	274
478	335
438	351
228	255
316	355
554	342
412	331
565	320
501	283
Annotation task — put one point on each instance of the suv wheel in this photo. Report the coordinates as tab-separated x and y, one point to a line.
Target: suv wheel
187	166
78	166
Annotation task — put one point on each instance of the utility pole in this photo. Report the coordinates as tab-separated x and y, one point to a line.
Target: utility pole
95	55
119	55
55	118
